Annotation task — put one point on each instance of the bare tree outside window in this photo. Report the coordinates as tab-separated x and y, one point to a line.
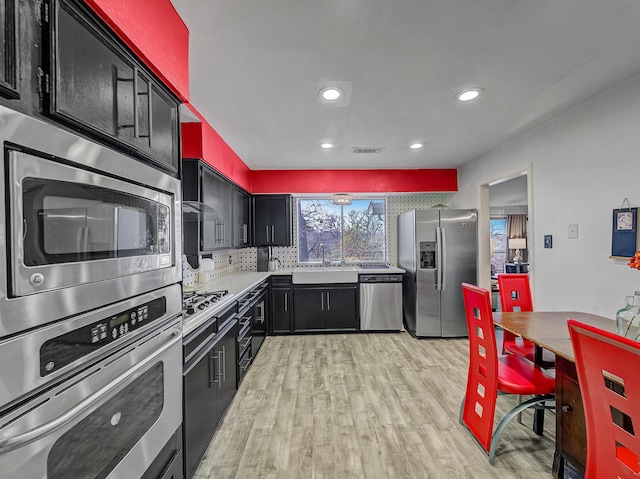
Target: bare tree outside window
353	233
498	237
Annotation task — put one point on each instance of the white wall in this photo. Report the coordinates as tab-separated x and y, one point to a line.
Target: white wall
583	163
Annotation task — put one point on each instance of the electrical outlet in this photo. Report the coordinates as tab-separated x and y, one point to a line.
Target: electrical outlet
548	241
573	231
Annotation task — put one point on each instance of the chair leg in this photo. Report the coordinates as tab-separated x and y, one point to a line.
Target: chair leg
508	417
520	413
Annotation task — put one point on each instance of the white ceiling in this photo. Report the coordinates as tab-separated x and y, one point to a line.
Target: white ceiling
257	66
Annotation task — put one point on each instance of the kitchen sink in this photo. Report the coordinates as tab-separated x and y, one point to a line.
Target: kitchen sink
324	275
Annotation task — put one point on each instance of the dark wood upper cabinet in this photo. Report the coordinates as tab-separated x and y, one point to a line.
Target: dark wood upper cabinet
97	85
216	224
272	220
9	56
207	210
241	235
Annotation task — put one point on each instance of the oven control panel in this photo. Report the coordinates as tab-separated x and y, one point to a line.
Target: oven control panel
67	348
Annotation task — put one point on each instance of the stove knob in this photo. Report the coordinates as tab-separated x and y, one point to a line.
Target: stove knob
190	309
203	305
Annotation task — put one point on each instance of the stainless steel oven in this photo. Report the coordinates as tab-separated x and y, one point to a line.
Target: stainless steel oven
110	419
57	351
85	226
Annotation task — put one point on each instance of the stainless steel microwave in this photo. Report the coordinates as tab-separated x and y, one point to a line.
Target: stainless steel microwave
86	225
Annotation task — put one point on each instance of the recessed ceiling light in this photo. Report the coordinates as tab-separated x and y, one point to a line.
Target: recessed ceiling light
415	146
330	93
325	145
468	95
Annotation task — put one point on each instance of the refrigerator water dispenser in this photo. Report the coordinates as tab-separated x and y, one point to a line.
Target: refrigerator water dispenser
428	255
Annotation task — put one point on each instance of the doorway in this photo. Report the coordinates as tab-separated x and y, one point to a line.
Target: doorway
509	231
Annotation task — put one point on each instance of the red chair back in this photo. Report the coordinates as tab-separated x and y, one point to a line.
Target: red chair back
482	383
607	367
515	295
515	292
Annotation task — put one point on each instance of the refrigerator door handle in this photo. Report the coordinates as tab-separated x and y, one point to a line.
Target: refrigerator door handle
443	255
439	265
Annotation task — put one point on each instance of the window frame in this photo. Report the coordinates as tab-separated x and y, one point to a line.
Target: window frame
318	261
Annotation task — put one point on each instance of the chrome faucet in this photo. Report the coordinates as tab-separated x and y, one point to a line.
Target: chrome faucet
321	247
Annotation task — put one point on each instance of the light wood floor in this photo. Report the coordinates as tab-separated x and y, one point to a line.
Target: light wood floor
364	406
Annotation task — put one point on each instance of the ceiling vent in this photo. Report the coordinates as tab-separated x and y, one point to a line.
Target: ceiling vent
366	149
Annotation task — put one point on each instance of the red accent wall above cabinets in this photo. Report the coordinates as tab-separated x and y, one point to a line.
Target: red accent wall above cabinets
156	33
354	181
200	140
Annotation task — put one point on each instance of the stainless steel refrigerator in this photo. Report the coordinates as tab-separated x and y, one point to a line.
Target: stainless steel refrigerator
438	249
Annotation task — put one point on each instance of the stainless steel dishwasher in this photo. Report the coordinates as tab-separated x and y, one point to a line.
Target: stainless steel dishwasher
381	302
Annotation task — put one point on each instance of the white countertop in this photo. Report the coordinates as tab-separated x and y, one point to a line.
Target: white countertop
389	270
241	282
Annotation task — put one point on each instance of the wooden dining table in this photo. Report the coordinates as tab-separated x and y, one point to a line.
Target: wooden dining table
548	330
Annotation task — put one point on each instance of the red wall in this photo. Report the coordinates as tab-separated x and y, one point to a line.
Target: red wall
354	181
200	140
156	33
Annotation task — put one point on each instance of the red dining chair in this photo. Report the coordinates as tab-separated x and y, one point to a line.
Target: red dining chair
607	367
491	374
515	295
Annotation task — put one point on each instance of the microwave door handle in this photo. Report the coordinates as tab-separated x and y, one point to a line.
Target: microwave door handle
10	443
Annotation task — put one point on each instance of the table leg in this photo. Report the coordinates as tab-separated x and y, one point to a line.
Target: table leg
538	414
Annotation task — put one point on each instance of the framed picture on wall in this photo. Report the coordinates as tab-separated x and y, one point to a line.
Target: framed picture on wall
624	234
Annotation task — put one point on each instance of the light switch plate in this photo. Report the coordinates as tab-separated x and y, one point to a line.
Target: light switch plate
573	231
548	241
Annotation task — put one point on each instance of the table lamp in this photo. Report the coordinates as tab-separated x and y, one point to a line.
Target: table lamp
517	244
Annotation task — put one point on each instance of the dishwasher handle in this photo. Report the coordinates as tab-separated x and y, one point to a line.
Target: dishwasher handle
380	278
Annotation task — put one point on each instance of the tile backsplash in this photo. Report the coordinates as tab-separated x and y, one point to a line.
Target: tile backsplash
229	261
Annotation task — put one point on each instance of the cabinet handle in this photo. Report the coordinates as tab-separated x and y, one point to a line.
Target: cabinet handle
328	304
245	228
133	81
566	408
260	314
223	369
322	300
286	302
267	233
273	236
222	232
212	369
149	112
136	105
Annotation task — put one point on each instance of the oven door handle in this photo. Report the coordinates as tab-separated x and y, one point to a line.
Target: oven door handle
10	443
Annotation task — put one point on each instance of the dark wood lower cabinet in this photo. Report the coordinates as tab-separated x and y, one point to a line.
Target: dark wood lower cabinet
325	308
209	387
280	305
571	432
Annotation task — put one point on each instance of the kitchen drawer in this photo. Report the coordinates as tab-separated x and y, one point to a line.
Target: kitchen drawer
281	280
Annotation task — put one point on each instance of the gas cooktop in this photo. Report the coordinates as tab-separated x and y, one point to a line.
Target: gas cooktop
197	304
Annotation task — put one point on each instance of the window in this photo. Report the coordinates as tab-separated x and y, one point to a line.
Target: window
498	237
352	233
